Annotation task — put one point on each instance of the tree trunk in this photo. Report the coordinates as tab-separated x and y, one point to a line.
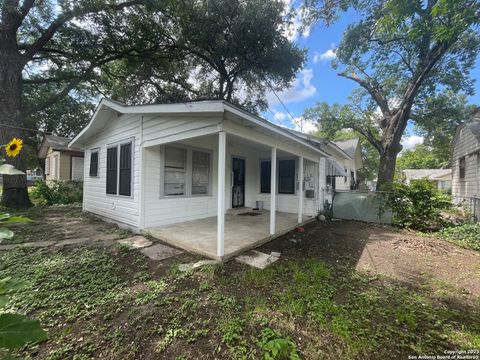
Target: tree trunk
15	194
386	170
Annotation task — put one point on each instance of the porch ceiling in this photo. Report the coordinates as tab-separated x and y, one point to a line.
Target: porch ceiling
242	232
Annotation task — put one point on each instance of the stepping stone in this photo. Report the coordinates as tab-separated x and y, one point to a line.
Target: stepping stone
38	244
136	242
160	252
197	265
256	259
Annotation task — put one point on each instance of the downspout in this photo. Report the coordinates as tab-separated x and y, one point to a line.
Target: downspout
142	179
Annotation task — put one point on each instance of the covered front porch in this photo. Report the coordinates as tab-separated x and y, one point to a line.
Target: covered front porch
196	185
242	232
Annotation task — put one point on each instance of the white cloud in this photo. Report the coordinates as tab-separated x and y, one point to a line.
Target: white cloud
301	89
409	141
295	28
304	125
325	56
280	116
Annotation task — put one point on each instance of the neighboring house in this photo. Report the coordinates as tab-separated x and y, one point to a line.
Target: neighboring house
466	159
182	172
441	177
61	162
340	166
353	149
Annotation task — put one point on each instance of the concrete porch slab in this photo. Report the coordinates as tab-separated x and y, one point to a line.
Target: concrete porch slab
242	233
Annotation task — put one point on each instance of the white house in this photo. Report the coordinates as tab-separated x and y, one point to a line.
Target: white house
441	177
186	172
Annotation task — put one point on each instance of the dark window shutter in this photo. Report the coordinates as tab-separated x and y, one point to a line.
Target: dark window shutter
94	163
286	177
112	168
125	169
265	176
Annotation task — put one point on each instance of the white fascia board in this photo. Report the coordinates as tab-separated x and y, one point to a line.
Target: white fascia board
73	142
271	127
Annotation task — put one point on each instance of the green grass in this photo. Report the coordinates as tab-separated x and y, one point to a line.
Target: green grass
467	236
103	305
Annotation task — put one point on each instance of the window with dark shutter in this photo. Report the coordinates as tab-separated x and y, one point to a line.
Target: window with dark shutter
286	177
94	163
125	184
265	176
331	181
462	168
112	168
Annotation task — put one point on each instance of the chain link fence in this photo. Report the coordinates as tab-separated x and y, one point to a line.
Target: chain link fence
471	205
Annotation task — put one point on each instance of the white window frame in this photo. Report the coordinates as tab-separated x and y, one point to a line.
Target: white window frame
188	171
117	144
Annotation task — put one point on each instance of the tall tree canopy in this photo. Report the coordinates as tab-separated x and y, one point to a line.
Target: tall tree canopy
404	55
225	49
56	54
421	157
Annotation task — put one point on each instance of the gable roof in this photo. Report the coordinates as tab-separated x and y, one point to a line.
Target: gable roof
57	143
208	107
432	174
474	123
349	146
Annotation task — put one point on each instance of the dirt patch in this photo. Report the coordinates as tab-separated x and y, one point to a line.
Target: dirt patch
403	255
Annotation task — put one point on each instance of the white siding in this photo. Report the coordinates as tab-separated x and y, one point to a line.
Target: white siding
124	209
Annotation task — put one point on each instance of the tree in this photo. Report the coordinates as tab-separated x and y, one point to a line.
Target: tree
401	54
58	44
437	119
57	54
233	50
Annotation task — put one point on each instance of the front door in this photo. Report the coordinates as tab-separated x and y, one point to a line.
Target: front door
238	185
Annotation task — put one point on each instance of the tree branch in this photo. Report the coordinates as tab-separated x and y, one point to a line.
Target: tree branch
50	31
369	136
374	92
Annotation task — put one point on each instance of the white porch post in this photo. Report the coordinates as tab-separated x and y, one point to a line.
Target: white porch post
300	189
222	136
273	189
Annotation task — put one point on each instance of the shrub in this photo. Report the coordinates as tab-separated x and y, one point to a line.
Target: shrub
58	192
467	236
419	205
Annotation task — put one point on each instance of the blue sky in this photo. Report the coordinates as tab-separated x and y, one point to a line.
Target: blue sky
318	81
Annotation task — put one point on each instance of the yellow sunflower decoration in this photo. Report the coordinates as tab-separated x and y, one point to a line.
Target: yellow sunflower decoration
13	147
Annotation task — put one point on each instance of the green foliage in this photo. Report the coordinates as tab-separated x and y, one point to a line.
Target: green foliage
58	192
466	235
421	157
16	330
6	219
276	347
418	205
